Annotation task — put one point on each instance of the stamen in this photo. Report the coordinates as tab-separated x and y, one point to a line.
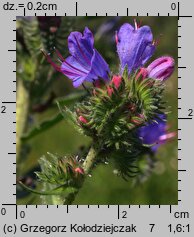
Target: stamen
116	38
156	41
167	136
59	55
135	23
139	24
47	56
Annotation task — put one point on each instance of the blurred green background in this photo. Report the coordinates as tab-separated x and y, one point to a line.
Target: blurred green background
103	187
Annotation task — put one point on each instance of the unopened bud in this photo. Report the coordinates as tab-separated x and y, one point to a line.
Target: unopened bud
161	68
109	90
79	170
142	72
83	120
116	80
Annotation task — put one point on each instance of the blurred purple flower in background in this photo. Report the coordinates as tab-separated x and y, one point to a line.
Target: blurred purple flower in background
155	133
134	46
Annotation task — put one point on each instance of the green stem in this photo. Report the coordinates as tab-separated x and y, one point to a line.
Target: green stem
87	166
22	110
70	198
90	159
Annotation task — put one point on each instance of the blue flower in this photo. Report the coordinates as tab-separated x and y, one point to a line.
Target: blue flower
155	133
85	63
134	46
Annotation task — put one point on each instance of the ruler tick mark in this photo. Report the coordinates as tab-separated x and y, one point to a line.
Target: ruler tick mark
178	11
185	118
76	8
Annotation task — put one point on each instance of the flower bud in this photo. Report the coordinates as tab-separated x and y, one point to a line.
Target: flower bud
109	90
83	120
79	170
161	68
116	80
142	73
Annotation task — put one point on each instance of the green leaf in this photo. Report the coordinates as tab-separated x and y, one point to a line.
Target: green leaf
66	113
60	190
42	127
126	74
32	36
70	116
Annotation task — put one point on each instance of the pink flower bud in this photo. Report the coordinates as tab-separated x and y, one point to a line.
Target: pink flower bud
79	170
116	80
109	90
83	120
142	72
161	68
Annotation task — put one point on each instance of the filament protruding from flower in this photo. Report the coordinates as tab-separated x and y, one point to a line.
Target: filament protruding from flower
167	136
59	55
49	59
116	37
156	41
137	25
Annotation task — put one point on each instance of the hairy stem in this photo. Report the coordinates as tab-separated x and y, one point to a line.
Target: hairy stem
87	166
90	159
